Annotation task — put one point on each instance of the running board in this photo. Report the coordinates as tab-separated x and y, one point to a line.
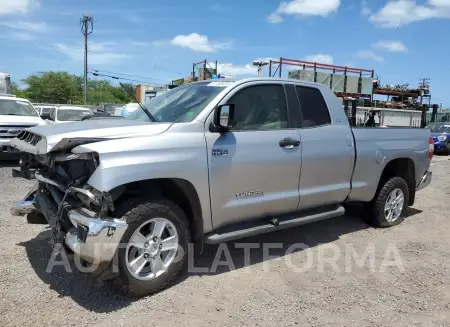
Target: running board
274	225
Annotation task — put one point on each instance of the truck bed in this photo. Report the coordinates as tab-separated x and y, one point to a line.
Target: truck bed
376	147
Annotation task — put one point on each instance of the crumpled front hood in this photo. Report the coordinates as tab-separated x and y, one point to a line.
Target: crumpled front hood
54	137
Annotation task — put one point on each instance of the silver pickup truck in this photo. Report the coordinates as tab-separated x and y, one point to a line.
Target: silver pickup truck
212	162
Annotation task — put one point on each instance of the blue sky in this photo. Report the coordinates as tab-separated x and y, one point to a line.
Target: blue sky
156	41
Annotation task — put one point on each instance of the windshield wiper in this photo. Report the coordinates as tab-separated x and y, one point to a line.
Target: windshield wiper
144	108
147	112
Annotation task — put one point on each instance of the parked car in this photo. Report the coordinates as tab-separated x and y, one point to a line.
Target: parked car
16	114
44	110
118	111
66	114
129	108
214	162
441	137
110	108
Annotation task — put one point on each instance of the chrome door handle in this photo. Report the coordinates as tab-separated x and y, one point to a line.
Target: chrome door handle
289	143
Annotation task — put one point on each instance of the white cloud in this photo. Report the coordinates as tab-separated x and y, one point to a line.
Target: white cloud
22	36
304	8
25	26
235	70
369	54
391	46
102	53
18	6
21	30
274	18
198	43
397	13
320	58
365	10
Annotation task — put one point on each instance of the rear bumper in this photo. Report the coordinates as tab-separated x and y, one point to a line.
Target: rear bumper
425	181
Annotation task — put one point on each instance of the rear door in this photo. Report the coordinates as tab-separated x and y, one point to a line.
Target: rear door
254	168
327	152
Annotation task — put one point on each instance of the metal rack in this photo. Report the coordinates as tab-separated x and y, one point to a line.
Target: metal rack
276	67
204	69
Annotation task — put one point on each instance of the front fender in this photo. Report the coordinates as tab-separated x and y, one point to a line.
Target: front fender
162	156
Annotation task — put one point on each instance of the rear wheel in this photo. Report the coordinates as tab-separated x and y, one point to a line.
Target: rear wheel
153	250
389	205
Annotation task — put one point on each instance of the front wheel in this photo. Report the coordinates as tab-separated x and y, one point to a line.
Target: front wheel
153	250
390	203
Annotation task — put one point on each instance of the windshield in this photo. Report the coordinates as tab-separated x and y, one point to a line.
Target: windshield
181	104
439	128
16	108
72	114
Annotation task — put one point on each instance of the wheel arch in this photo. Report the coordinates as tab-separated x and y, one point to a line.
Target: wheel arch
404	168
180	191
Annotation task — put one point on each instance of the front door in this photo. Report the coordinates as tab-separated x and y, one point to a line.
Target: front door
254	168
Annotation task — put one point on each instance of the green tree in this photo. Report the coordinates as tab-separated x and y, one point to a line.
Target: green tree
17	91
62	88
52	87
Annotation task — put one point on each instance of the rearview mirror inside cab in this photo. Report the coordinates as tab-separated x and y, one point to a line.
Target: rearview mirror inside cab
224	116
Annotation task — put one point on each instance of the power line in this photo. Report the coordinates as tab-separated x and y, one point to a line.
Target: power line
96	73
87	27
168	71
132	75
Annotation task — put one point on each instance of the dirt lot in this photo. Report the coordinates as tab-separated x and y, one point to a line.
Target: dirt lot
413	291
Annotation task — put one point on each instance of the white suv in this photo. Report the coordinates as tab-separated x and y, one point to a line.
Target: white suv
15	115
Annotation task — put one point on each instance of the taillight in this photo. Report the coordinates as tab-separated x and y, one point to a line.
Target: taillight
430	148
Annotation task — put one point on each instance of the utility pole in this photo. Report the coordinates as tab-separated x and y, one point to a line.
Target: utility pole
260	64
87	26
424	85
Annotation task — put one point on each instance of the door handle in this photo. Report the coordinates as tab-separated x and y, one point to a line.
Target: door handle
288	143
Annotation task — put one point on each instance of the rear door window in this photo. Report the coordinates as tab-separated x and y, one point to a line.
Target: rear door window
313	107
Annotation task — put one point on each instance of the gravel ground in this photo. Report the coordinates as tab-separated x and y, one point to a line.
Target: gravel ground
414	291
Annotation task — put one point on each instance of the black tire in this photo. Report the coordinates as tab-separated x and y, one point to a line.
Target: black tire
378	217
447	150
137	212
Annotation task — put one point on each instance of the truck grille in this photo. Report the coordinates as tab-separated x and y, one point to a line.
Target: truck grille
11	131
29	137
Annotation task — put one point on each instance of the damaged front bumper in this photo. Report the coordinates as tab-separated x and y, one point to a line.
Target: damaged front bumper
93	239
26	205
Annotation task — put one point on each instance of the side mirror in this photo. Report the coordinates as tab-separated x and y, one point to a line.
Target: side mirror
224	116
45	116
